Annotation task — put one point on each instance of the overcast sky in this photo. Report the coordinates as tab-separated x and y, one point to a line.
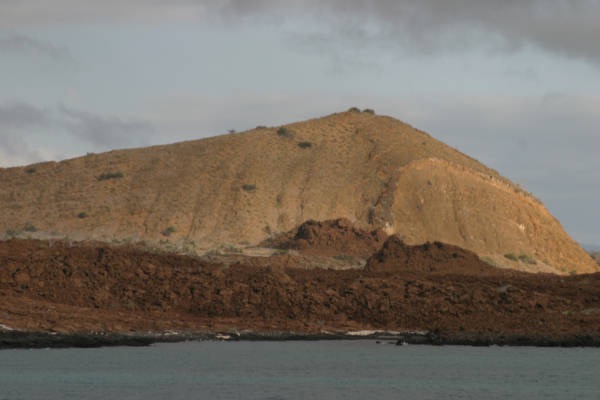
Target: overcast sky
513	83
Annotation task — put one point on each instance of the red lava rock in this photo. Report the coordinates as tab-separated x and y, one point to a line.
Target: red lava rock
332	237
436	257
434	287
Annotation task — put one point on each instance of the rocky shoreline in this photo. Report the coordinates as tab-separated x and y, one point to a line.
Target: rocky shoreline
90	295
38	340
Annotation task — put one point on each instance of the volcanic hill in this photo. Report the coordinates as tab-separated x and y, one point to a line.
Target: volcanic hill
375	171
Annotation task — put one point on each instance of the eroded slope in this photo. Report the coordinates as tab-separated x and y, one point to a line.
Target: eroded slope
375	171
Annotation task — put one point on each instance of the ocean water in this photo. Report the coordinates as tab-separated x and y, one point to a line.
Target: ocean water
359	369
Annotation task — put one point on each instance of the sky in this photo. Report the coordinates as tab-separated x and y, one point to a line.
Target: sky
513	83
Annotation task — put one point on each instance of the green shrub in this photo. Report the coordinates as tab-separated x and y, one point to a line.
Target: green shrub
12	233
511	256
524	258
344	257
369	111
305	145
249	187
30	170
82	215
490	261
354	109
284	132
30	228
110	175
225	248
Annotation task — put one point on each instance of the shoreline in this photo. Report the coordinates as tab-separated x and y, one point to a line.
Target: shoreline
40	340
106	296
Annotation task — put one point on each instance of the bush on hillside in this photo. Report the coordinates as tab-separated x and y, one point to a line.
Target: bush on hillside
284	132
110	175
304	145
524	258
30	228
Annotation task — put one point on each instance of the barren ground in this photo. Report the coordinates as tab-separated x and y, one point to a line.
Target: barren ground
84	287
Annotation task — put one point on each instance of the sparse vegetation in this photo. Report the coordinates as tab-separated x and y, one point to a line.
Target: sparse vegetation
490	261
225	248
249	187
284	132
168	231
369	111
110	175
30	170
82	215
188	247
305	145
344	257
12	233
524	258
279	200
231	131
261	127
354	109
30	228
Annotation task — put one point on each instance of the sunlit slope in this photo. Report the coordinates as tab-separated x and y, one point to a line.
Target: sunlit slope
237	188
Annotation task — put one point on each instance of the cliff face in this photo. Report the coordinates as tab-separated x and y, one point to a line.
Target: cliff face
375	171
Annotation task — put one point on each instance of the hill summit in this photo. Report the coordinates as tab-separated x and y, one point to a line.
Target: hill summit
375	171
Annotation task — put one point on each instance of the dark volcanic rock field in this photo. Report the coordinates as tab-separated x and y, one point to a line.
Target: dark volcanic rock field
56	287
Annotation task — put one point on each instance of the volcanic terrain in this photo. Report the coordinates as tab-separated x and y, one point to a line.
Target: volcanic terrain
434	287
245	188
347	222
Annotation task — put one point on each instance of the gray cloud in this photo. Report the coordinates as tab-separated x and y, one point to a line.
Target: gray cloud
14	150
23	44
17	120
567	27
40	12
22	115
23	125
106	131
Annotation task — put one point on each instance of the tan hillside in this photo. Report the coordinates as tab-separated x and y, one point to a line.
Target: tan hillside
244	188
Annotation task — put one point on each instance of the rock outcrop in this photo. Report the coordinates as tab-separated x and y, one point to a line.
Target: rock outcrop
83	287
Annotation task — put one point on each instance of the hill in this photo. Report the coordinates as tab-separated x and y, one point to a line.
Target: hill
375	171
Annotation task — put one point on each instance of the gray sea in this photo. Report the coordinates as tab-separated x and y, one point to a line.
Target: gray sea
359	369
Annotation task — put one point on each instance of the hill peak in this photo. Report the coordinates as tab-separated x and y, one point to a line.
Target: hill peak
375	171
